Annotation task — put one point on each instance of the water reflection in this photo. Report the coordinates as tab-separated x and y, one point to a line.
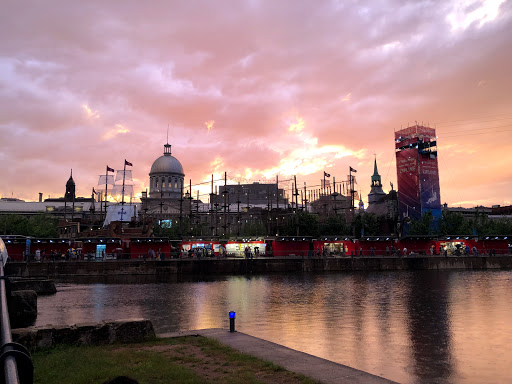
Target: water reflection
428	326
422	326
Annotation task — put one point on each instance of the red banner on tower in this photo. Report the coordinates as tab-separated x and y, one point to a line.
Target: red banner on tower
408	183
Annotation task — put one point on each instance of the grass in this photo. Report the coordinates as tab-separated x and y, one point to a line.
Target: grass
190	359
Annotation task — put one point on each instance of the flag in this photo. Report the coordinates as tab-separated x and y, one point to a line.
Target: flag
326	174
126	162
109	169
352	169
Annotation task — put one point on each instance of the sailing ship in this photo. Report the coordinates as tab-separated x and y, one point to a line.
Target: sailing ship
121	186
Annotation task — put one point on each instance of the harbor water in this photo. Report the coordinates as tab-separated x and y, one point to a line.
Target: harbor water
407	326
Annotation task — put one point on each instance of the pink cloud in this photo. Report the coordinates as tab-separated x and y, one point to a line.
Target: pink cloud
352	75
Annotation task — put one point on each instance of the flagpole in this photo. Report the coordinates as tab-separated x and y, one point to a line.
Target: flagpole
122	192
122	195
106	192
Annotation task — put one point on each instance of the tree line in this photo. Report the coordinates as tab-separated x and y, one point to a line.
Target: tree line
307	224
41	225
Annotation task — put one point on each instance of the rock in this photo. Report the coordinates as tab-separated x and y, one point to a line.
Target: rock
132	331
22	308
40	286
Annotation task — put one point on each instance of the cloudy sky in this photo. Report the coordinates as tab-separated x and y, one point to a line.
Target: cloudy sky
256	89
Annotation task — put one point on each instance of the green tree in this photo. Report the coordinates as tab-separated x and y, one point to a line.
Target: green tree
454	223
423	226
14	225
305	222
43	225
254	229
308	224
502	226
370	222
335	225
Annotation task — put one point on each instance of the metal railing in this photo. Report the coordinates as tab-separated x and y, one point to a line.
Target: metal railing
15	362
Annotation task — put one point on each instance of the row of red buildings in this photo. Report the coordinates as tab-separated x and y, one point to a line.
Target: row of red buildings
19	247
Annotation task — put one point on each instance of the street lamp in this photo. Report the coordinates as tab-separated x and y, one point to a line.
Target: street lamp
188	196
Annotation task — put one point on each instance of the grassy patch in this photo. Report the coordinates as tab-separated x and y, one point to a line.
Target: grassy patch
188	359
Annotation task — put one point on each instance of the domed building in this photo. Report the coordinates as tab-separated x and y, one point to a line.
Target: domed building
166	176
166	182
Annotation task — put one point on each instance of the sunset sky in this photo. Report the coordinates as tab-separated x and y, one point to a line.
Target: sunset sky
255	89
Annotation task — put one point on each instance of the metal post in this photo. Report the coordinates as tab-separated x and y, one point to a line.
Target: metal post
12	353
232	316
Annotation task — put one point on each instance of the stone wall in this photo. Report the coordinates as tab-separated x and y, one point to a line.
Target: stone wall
39	286
242	266
122	331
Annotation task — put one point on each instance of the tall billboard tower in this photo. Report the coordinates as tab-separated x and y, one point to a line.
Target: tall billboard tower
417	172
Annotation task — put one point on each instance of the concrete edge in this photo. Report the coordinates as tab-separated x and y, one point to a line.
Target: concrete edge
323	370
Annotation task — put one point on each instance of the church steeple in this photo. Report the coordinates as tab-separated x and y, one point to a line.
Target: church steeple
376	192
376	181
70	188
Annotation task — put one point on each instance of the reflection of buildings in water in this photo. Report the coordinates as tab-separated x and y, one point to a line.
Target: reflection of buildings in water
429	333
204	309
359	312
287	299
91	303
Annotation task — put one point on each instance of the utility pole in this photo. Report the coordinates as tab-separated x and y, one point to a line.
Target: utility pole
277	204
181	210
296	194
212	227
225	195
305	198
334	195
238	210
190	205
198	217
269	215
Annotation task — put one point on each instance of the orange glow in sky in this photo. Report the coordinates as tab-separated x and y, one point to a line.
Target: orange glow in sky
255	90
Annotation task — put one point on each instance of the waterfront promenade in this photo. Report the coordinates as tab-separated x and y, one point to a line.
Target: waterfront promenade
314	367
183	267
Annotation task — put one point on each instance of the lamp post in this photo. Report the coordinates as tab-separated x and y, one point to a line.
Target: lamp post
188	196
232	316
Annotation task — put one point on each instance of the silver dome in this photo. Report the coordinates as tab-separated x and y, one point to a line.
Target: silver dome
167	164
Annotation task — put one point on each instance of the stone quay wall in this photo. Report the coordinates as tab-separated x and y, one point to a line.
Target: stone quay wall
177	267
121	331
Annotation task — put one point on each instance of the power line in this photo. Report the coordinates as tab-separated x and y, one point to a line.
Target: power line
479	133
480	129
473	120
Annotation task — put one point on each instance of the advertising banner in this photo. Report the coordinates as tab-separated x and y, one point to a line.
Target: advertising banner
408	183
415	131
429	183
406	142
